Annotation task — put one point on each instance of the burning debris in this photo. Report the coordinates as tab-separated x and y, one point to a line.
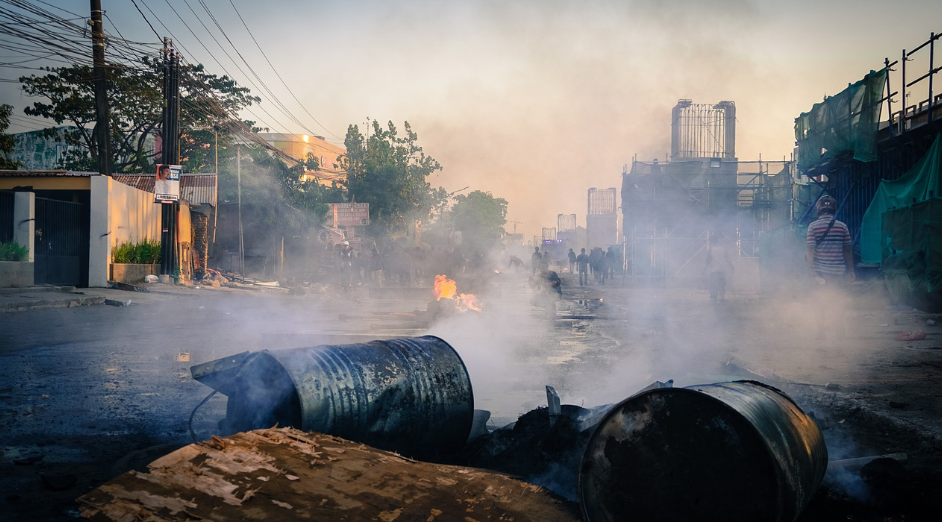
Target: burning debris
447	289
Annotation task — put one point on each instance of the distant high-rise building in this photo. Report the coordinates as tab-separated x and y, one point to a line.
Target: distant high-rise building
565	222
602	219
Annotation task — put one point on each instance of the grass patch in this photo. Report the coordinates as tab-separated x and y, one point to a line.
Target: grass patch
145	252
13	252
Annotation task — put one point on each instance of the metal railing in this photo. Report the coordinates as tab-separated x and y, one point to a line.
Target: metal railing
927	109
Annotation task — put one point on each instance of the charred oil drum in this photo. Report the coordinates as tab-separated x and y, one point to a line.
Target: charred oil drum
410	395
738	451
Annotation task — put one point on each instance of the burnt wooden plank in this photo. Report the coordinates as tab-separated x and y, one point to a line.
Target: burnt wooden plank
283	473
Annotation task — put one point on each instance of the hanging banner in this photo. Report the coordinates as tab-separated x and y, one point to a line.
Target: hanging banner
167	183
349	214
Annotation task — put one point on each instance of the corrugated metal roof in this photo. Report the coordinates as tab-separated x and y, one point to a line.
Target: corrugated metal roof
46	174
197	189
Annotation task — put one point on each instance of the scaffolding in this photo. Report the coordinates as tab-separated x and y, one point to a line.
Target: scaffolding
703	130
566	222
671	209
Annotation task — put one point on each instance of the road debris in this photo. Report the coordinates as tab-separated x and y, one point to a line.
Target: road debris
258	475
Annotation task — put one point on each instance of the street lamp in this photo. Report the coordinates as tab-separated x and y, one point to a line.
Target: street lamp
454	220
441	209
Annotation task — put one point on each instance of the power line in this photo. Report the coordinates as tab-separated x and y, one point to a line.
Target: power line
39	34
276	72
257	77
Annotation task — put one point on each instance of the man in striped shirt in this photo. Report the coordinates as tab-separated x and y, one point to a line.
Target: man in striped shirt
829	255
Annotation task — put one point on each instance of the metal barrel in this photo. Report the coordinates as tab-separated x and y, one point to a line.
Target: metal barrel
410	395
738	451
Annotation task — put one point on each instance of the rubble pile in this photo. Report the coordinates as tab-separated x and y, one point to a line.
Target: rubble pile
214	279
535	449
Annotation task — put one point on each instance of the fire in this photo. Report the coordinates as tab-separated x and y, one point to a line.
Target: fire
468	302
446	288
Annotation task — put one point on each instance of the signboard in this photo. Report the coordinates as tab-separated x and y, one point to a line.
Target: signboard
167	183
349	214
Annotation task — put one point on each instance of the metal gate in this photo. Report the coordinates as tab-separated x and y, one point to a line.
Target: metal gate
61	243
6	216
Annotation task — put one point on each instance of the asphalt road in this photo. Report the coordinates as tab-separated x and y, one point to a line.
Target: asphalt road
89	392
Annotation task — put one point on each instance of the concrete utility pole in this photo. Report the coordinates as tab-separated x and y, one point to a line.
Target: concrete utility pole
170	155
102	130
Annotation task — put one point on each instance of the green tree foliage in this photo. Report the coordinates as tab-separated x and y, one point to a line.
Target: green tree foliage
274	196
389	172
480	217
7	142
136	100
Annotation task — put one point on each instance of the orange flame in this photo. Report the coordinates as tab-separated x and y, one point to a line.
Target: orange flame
468	302
445	287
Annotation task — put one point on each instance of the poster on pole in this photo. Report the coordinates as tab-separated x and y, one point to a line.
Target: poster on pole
167	183
349	214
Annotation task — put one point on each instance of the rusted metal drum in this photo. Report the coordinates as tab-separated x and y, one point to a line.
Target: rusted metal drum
410	395
738	451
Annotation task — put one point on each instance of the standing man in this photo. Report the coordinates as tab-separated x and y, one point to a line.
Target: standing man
717	267
572	261
536	261
346	265
377	267
830	261
583	262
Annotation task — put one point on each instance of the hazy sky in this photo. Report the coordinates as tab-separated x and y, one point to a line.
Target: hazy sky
537	101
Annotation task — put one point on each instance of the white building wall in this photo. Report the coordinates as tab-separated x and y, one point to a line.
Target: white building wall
119	214
24	222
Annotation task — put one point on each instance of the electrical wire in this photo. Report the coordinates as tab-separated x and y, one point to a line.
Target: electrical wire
36	34
275	71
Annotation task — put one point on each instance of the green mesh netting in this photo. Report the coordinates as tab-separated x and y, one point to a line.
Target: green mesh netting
912	266
846	122
922	181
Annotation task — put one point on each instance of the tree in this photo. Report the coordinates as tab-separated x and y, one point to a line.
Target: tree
389	172
273	194
7	142
480	217
136	103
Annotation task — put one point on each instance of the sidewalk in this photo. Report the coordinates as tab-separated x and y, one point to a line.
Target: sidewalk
44	297
40	297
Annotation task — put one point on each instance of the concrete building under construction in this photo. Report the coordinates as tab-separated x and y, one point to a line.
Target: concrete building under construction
670	209
601	222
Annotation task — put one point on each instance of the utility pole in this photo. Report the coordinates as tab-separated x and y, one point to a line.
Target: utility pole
102	130
239	189
216	197
170	155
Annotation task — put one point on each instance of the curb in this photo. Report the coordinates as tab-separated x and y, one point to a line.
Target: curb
65	302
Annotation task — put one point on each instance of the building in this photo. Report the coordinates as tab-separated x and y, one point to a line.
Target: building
862	144
670	209
300	146
566	231
71	221
601	222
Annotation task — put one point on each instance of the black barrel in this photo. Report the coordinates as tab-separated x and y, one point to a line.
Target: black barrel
410	395
738	451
